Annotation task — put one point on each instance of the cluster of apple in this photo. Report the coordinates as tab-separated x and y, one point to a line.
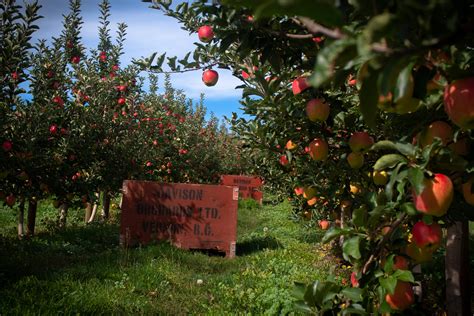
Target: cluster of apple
209	76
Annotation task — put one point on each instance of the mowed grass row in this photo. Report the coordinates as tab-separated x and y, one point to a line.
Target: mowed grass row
83	270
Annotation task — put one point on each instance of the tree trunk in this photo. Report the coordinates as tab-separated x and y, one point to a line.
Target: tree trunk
94	209
32	207
63	208
105	206
457	270
88	212
21	219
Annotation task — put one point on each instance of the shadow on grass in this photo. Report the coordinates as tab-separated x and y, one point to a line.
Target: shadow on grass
255	244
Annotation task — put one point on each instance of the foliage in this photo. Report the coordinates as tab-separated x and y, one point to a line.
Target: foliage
381	67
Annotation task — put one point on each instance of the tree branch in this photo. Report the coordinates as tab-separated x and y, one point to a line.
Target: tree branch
384	240
316	28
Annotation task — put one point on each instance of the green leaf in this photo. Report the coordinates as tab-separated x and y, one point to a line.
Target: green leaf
405	149
359	216
376	29
409	208
416	178
298	290
389	284
368	97
404	275
354	294
319	10
319	293
333	233
351	247
405	84
389	161
390	73
326	61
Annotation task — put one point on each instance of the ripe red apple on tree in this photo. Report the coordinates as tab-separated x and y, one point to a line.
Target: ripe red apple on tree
53	129
299	85
290	145
458	102
427	236
437	129
318	149
299	190
317	110
210	77
324	224
360	141
121	101
75	59
354	281
355	160
436	197
417	254
284	160
205	33
7	145
402	297
10	200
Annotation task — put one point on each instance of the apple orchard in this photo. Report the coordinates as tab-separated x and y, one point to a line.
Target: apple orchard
360	112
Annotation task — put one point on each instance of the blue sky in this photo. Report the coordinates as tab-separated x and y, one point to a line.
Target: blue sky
148	31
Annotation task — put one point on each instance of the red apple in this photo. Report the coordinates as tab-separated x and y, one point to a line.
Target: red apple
318	149
58	100
299	85
402	297
284	160
205	33
436	197
10	200
53	129
324	224
400	263
360	141
458	102
290	145
355	160
210	77
121	101
7	145
437	129
299	190
115	68
354	281
75	59
427	236
245	75
417	254
317	110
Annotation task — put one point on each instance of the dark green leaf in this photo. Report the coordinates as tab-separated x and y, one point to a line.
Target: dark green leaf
416	178
389	283
409	208
359	216
326	61
404	275
369	97
354	294
351	247
389	161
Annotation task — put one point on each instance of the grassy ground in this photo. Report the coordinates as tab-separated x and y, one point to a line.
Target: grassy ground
82	269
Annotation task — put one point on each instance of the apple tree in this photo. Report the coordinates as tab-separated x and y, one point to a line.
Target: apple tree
367	104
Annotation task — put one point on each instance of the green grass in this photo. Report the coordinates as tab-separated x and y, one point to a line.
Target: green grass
83	270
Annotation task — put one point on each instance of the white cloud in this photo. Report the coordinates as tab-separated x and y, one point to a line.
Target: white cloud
148	31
